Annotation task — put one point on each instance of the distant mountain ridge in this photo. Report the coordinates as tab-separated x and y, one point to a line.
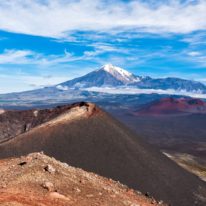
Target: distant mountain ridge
113	76
108	75
108	79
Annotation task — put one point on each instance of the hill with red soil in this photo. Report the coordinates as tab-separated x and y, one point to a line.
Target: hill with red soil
37	179
174	106
84	136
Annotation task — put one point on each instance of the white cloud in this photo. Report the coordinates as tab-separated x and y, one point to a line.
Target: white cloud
25	82
195	39
194	53
130	90
30	57
16	56
197	57
58	18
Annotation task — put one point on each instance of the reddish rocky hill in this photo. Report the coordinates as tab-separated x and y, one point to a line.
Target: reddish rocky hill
174	106
37	179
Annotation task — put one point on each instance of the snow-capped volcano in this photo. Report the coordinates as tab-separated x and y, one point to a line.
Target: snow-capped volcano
113	76
120	73
107	75
113	80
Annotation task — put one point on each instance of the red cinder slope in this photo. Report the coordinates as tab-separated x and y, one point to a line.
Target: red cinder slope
174	106
37	179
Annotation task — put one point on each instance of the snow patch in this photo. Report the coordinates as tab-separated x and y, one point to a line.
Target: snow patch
79	85
63	88
111	69
120	73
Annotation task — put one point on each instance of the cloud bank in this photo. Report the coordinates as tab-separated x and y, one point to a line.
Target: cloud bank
130	90
59	18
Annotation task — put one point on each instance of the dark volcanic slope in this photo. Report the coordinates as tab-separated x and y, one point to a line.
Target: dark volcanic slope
91	139
177	133
175	123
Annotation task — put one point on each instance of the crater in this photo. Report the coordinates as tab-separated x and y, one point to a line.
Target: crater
14	123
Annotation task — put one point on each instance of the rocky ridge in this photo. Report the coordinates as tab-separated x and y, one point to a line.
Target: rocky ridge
37	179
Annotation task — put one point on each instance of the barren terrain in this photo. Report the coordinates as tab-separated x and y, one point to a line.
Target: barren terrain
38	180
96	142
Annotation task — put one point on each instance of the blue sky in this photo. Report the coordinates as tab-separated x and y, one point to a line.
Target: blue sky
45	42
